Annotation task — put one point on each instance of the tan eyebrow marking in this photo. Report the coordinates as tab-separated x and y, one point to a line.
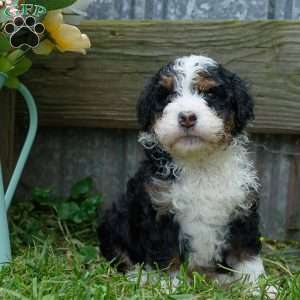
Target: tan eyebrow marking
205	82
167	81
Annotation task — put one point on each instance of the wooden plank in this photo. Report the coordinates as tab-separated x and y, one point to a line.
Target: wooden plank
100	89
7	132
293	205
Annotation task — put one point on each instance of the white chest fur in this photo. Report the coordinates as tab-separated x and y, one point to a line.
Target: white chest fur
204	198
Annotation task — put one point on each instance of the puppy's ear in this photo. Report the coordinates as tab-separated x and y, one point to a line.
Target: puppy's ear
153	98
242	104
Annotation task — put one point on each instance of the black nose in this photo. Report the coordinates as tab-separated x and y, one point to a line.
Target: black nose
187	119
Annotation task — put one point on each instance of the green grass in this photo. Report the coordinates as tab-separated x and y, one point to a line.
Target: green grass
55	259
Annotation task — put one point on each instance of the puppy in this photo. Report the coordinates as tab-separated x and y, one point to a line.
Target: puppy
194	198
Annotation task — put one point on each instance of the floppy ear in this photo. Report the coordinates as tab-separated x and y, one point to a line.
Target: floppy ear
242	104
153	98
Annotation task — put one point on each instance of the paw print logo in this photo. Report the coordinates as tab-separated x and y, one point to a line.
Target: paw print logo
24	32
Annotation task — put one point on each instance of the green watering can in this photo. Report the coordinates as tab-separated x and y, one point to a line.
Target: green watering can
6	196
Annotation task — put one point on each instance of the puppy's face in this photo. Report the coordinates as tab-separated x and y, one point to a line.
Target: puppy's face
193	105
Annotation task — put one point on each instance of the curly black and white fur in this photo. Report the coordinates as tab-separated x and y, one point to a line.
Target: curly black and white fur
194	198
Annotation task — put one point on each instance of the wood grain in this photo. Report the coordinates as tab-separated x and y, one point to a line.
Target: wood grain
7	132
100	89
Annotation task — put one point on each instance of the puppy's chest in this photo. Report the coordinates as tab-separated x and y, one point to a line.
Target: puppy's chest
208	196
203	201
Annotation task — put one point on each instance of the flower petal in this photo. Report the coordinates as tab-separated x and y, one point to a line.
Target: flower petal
69	38
53	20
66	37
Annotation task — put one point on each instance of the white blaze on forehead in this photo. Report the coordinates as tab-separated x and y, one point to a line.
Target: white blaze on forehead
187	68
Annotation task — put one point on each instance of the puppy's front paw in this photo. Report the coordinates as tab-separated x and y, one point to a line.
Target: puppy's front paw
271	291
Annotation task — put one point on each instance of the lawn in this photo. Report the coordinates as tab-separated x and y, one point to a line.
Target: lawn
56	257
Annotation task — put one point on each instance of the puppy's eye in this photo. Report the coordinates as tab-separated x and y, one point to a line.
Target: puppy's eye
205	83
211	93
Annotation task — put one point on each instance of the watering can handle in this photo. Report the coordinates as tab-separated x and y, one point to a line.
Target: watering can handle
6	197
33	123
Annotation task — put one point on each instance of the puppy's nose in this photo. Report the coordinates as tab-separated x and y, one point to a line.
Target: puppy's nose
187	119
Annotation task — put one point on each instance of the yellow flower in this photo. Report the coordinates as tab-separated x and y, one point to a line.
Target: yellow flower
66	37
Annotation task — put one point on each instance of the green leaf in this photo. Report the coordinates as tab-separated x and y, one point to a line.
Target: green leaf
4	43
82	188
90	205
80	216
43	196
12	82
21	67
5	65
94	200
67	210
51	5
15	55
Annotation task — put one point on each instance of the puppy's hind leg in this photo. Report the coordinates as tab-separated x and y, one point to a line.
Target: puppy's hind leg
114	238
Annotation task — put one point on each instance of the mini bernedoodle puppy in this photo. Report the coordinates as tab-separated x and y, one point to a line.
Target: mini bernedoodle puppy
194	198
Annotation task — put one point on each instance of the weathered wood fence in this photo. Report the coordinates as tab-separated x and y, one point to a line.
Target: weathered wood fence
99	92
